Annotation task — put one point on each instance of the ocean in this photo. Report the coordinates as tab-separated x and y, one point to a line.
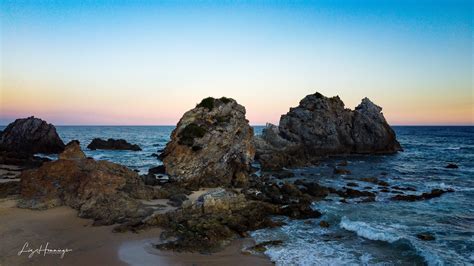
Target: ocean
381	232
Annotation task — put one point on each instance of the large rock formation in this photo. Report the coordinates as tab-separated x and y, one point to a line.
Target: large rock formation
321	126
212	145
101	190
31	135
112	144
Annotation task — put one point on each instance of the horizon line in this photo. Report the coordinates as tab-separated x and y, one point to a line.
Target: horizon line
253	125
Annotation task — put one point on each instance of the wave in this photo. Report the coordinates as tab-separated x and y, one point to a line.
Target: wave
432	254
364	230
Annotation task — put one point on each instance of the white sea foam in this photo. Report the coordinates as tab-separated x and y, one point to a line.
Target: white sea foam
301	247
364	230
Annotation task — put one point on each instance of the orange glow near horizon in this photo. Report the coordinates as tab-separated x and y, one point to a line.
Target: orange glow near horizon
137	63
65	108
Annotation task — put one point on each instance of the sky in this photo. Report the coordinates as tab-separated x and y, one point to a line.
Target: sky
148	62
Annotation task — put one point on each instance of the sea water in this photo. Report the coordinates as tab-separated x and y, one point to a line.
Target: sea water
376	233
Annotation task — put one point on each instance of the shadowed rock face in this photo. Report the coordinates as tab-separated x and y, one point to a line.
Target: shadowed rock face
31	135
321	126
101	190
212	145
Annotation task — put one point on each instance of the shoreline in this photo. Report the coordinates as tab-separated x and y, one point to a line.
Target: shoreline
61	228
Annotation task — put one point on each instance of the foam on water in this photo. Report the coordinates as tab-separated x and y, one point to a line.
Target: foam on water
370	232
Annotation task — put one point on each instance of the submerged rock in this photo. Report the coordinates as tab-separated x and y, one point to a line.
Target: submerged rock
426	236
212	145
340	171
31	135
106	192
112	144
425	196
322	126
324	224
262	247
451	166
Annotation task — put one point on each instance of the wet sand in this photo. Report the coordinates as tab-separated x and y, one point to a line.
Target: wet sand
95	245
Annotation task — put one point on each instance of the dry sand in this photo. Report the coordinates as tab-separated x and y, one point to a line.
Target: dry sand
94	245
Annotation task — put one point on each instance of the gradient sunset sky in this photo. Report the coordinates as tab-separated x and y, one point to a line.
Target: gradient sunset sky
147	62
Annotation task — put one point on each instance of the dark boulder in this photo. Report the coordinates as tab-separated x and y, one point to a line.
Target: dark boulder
112	144
177	199
31	135
425	196
426	236
340	171
262	247
160	169
150	180
324	224
25	160
451	166
352	193
313	189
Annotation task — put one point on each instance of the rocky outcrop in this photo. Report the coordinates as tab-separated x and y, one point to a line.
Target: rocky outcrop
112	144
106	192
322	126
208	223
212	145
31	135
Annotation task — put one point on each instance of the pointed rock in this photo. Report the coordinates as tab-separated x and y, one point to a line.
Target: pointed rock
72	151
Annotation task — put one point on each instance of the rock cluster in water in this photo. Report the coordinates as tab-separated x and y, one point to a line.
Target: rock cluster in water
29	136
322	126
112	144
212	145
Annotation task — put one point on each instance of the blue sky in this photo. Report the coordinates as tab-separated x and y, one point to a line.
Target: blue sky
147	62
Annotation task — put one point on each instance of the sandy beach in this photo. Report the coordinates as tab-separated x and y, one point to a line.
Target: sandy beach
95	245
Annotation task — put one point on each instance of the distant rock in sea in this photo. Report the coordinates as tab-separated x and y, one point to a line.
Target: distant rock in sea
212	145
322	126
31	135
112	144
